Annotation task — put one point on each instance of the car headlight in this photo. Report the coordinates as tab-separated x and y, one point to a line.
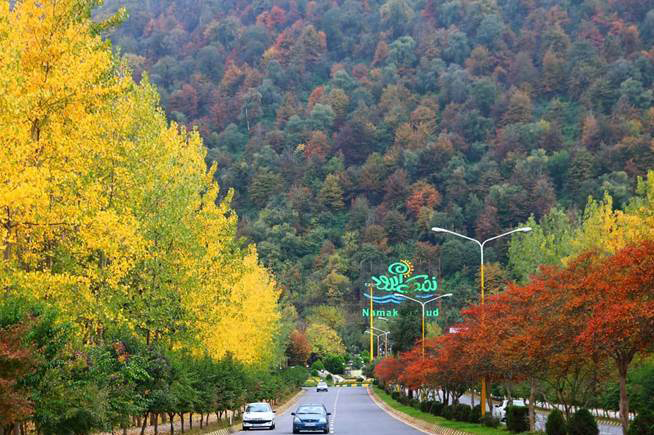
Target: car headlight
297	420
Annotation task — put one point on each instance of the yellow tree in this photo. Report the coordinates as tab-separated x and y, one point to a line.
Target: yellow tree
244	321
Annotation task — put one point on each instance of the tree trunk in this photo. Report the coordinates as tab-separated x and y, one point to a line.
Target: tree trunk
489	400
472	399
201	420
532	405
155	416
624	400
181	420
190	420
145	423
172	422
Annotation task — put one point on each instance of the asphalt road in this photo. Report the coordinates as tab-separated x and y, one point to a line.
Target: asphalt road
353	413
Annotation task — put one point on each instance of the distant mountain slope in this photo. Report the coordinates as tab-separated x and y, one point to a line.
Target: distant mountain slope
349	128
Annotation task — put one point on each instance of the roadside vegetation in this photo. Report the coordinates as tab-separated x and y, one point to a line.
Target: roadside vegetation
433	415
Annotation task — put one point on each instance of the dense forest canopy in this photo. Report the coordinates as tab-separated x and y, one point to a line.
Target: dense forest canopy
348	128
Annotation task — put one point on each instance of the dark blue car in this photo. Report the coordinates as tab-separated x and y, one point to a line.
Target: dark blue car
311	418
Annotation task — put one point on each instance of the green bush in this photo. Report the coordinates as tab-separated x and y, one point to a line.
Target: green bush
475	414
437	408
426	406
395	395
582	422
314	372
317	365
461	412
489	421
335	364
555	424
447	412
643	424
415	403
517	418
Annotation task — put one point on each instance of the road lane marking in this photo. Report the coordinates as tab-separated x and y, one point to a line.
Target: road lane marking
331	420
373	400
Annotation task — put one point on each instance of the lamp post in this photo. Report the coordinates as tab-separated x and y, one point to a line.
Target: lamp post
385	319
385	334
481	281
370	289
423	303
377	336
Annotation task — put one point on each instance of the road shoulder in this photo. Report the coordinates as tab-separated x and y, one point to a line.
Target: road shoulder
415	423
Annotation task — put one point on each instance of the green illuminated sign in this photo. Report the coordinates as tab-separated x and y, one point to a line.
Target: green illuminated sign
365	312
400	280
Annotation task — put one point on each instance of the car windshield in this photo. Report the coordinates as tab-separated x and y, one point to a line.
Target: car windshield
258	407
311	410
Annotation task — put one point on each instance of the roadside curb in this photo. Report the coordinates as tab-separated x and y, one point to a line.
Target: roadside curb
237	427
413	422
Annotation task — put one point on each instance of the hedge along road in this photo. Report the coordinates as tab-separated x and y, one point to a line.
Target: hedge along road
353	413
605	427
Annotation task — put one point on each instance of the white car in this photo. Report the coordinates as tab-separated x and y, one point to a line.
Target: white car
500	411
322	386
258	416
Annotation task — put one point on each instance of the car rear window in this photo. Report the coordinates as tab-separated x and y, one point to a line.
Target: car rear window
311	410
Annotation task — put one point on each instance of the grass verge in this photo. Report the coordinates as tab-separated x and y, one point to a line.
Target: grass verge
432	419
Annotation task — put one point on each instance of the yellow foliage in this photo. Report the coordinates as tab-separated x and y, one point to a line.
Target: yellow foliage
607	230
245	319
106	211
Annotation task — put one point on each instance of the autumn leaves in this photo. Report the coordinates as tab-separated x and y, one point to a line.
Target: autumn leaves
108	212
580	317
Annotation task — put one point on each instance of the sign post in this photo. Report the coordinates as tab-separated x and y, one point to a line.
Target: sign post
371	322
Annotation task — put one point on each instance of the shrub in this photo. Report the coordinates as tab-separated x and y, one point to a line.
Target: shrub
317	365
490	421
582	422
335	364
555	424
475	414
643	424
447	412
395	395
329	378
437	408
517	418
314	372
426	406
414	403
461	412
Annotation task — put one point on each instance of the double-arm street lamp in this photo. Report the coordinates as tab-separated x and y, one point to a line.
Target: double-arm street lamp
481	281
372	334
423	303
385	334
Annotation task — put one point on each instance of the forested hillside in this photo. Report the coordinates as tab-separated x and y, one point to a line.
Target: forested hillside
348	128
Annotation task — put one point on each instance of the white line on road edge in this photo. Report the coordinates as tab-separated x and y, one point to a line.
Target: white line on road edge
331	420
387	409
374	400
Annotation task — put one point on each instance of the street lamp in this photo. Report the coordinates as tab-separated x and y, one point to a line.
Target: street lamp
370	290
481	281
385	334
377	336
423	303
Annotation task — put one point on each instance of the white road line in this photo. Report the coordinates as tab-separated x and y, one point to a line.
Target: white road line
331	420
373	400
